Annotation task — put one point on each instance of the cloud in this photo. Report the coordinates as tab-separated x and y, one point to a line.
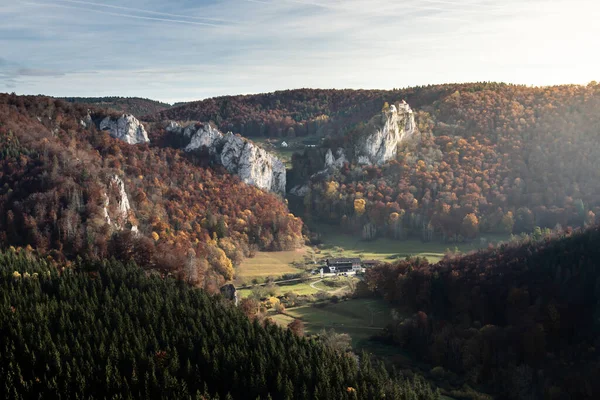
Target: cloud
12	75
144	11
192	49
133	16
37	72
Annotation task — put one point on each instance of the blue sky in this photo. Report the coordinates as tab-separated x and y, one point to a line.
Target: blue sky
187	50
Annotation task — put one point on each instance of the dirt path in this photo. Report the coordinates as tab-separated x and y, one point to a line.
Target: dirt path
312	285
334	292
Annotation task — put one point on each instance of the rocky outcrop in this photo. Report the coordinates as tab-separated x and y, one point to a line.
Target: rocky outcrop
254	165
335	162
87	121
126	128
106	204
376	143
121	217
172	126
390	128
203	136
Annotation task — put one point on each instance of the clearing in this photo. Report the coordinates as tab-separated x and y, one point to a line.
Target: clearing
312	286
301	288
338	244
360	318
265	264
295	145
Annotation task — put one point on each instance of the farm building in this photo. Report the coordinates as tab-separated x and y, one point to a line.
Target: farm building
370	263
339	265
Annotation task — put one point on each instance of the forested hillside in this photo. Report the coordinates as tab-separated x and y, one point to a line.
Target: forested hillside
68	190
288	113
128	105
301	112
521	321
491	158
108	330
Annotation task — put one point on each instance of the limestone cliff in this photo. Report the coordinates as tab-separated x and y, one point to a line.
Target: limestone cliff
116	188
335	162
374	144
378	142
126	128
239	156
389	129
253	164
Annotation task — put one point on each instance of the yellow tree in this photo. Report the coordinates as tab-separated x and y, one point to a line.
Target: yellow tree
331	189
508	222
470	225
359	206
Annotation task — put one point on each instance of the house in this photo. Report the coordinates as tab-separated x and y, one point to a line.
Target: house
284	144
344	265
370	263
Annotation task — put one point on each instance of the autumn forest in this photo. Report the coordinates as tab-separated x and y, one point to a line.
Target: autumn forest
104	238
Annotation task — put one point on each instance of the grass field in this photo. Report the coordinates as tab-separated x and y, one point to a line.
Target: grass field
344	283
296	145
360	318
337	244
301	288
309	287
264	264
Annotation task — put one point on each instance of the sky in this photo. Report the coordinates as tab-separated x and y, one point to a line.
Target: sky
183	50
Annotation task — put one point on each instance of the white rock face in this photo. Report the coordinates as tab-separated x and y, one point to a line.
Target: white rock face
205	136
123	207
396	125
106	203
127	128
335	162
122	199
172	126
254	165
87	121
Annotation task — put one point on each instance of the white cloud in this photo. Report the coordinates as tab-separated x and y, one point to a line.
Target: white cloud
173	51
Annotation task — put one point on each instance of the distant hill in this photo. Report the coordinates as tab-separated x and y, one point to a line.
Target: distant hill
128	105
285	113
300	112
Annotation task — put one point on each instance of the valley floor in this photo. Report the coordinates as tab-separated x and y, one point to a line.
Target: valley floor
337	244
